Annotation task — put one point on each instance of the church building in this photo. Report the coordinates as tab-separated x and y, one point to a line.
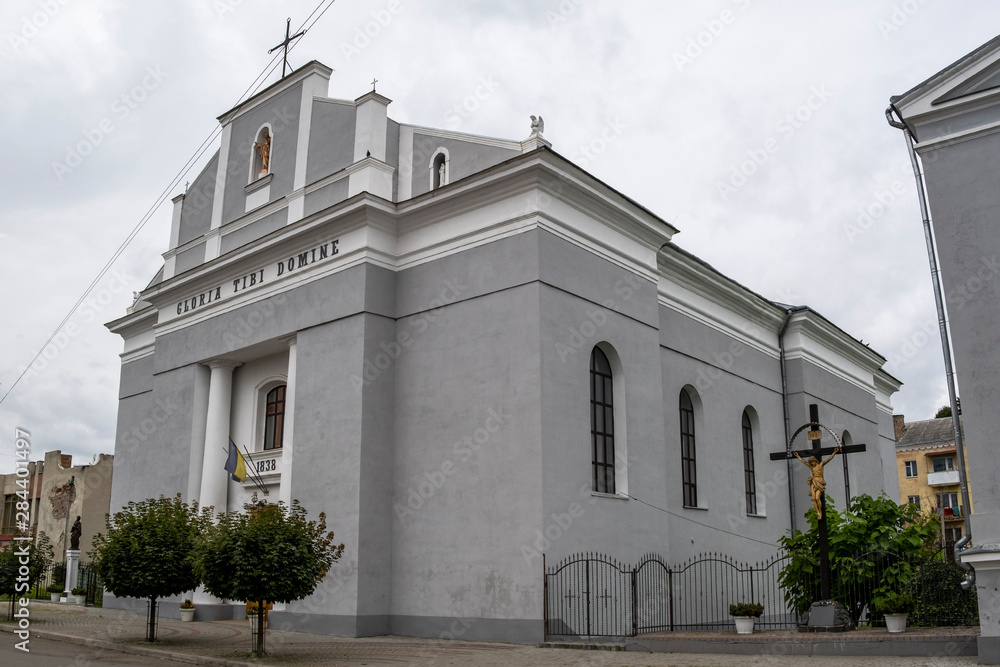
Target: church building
475	357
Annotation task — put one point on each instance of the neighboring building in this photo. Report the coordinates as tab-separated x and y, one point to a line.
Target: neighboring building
954	120
470	353
61	491
927	465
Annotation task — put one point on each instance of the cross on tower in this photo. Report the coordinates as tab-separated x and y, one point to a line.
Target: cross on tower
284	45
374	81
817	484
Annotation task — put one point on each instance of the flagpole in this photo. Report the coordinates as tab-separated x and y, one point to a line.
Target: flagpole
261	485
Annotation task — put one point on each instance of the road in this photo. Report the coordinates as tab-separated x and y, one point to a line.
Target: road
51	653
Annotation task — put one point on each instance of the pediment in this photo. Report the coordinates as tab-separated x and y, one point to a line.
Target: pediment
985	80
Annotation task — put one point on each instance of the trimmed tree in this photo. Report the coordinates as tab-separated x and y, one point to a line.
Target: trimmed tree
876	546
267	553
22	564
148	551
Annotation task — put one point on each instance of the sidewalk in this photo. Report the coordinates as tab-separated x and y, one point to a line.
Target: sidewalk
228	643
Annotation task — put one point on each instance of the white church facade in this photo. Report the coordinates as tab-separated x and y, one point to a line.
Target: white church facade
473	356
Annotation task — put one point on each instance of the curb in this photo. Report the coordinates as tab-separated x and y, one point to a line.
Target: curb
135	650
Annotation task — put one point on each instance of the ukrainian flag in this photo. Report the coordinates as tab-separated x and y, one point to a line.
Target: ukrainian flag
236	465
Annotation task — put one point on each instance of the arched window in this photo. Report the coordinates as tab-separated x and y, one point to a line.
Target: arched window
689	470
440	167
846	439
749	476
274	418
602	422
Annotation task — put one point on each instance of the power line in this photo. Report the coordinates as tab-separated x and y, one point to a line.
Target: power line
705	525
249	92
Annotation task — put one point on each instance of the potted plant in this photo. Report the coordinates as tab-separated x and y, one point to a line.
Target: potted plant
895	606
80	595
744	614
187	610
55	592
252	613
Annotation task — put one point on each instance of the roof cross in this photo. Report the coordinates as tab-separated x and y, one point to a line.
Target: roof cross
284	45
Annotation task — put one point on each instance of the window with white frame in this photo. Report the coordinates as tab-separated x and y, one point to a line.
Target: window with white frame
911	468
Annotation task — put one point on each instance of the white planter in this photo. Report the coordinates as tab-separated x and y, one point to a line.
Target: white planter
55	596
63	598
744	625
895	622
253	623
187	614
80	599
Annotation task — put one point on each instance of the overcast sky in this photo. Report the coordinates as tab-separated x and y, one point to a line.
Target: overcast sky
755	127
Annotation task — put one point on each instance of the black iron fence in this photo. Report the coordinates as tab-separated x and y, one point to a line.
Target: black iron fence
86	577
591	594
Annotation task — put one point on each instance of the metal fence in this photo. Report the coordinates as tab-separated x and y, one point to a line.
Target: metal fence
86	577
591	594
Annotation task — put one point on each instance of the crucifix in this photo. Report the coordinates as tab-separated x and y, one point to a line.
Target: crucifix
284	45
817	484
374	81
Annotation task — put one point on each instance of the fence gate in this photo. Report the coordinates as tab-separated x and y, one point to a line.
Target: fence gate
589	595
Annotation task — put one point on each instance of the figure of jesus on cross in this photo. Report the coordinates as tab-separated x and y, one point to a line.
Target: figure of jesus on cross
817	485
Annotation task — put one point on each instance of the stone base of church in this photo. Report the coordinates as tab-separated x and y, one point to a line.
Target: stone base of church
170	608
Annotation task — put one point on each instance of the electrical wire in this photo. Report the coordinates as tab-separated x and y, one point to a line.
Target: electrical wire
251	90
705	525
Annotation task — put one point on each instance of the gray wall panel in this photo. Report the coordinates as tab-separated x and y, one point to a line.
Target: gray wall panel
331	142
189	259
254	230
326	196
196	211
465	158
136	377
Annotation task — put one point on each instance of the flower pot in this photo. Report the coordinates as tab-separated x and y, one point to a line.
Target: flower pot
744	625
895	622
80	599
55	596
187	614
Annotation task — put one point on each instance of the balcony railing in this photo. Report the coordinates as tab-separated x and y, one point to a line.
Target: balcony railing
942	478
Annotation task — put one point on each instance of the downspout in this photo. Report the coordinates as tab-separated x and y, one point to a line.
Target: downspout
942	322
784	407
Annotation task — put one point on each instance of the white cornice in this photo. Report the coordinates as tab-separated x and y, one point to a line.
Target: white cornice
295	78
460	136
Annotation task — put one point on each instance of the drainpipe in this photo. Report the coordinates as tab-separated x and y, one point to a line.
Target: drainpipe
784	406
942	322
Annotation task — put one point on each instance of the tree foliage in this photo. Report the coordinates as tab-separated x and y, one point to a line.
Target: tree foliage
266	553
943	412
38	555
938	585
875	547
148	551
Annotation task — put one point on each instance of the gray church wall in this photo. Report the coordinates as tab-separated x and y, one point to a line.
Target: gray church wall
571	268
467	470
465	159
154	429
196	210
136	377
254	230
283	113
574	519
961	188
331	139
721	489
189	259
477	271
326	196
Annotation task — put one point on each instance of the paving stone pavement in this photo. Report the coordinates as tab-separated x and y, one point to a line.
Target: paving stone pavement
228	642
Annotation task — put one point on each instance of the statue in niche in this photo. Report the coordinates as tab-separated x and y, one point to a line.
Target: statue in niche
537	125
264	151
74	535
441	179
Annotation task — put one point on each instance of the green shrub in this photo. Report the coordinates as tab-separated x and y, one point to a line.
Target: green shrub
943	601
55	588
79	591
746	609
895	603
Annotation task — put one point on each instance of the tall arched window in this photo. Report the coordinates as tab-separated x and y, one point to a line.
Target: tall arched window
689	471
274	419
846	439
602	422
749	476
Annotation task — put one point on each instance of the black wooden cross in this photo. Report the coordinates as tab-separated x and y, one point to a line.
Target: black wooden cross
288	40
816	453
374	81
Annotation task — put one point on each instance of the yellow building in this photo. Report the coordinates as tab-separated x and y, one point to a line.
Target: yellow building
927	467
